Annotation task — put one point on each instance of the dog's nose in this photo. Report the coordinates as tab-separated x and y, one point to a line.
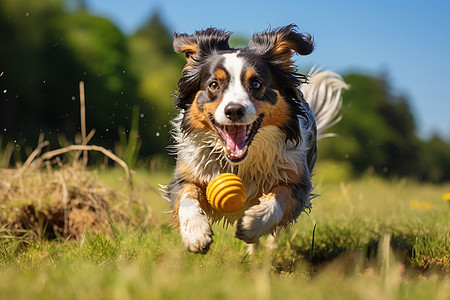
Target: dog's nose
234	111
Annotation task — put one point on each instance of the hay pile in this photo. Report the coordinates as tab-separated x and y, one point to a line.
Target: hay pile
46	199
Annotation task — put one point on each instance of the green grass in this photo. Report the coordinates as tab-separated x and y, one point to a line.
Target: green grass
374	239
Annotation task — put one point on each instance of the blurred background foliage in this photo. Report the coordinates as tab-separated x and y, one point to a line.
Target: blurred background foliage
47	48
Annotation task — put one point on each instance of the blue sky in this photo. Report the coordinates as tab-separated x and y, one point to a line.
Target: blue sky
408	41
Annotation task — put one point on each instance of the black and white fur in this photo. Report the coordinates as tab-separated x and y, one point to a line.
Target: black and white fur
247	111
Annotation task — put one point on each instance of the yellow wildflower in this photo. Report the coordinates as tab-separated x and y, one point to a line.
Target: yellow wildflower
446	197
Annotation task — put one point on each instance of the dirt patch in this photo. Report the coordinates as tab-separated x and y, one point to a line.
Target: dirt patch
81	213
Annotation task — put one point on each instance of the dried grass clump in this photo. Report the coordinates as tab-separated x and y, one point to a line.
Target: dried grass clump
45	199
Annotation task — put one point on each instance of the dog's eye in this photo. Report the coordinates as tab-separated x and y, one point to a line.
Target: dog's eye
256	84
214	86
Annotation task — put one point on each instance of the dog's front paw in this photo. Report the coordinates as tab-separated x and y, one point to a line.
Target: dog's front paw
195	230
259	220
197	236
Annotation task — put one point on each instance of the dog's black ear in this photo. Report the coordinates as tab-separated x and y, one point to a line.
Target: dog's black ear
201	43
280	43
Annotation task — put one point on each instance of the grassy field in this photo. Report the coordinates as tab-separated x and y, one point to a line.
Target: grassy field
373	239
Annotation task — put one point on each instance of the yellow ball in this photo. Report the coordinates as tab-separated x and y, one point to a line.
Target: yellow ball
226	192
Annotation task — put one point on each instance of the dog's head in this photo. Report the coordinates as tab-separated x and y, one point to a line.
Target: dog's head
235	92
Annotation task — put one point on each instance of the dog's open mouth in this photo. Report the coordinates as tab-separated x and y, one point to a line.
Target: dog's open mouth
237	138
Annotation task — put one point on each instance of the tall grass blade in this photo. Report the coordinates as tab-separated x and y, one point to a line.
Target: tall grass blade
311	253
83	121
6	153
129	146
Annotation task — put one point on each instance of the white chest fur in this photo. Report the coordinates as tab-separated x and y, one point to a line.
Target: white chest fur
269	159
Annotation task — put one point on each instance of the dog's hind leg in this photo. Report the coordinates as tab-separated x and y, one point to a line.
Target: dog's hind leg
195	229
253	248
272	240
271	243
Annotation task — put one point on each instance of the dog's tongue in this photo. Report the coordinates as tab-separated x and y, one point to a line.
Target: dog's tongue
234	137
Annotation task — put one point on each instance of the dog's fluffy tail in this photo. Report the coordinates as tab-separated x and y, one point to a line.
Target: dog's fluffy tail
323	94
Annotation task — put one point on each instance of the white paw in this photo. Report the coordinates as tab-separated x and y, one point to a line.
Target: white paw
195	230
272	240
259	220
253	248
197	237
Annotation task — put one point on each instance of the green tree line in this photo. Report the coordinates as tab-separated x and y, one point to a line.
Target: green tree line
46	49
378	134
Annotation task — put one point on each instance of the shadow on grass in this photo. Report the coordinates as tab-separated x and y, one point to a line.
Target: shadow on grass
347	257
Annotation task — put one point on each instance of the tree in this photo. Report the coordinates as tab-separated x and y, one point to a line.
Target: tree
45	51
377	130
434	160
158	69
